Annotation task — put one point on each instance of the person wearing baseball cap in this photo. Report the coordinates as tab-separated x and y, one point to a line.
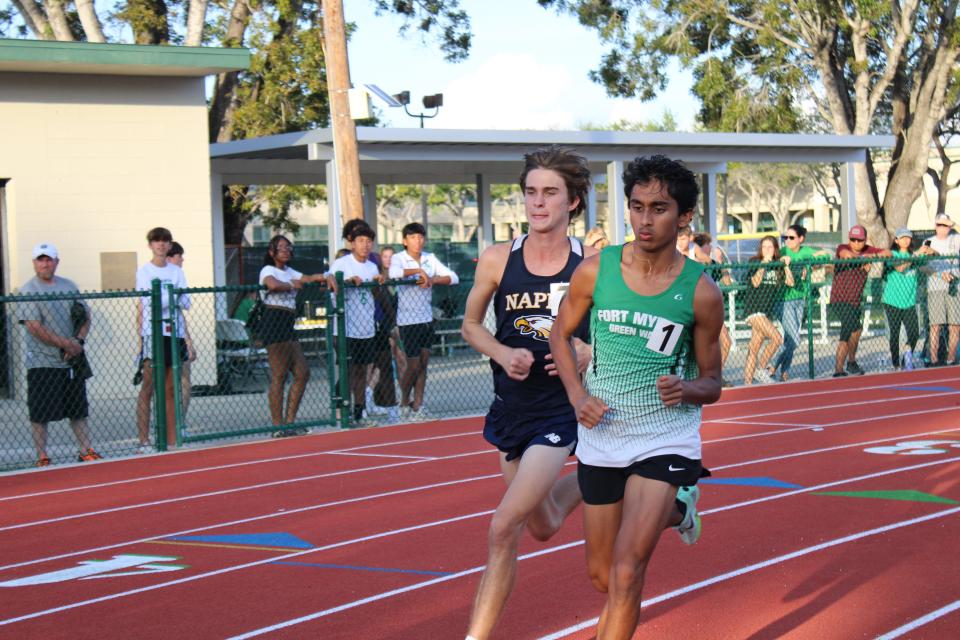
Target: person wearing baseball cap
846	297
943	304
900	299
56	335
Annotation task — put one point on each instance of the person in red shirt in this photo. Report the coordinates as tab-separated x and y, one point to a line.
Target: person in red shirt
846	298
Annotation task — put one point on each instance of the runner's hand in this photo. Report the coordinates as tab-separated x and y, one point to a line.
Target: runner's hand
590	411
670	389
518	364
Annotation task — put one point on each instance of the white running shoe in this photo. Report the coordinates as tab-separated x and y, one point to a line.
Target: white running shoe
763	376
908	361
689	528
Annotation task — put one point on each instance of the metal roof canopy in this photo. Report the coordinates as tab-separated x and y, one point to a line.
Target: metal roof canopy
485	157
435	156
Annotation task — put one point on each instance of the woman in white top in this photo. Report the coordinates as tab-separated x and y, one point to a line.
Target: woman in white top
283	350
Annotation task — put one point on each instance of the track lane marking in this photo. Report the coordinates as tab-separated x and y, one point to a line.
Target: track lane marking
919	622
234	465
831	391
418	527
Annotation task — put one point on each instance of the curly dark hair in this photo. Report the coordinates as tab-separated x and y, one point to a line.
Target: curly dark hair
569	165
681	182
272	249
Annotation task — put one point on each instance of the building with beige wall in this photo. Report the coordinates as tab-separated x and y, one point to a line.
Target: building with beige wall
98	144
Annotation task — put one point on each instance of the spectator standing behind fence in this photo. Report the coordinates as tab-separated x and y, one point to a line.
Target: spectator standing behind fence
415	311
278	335
713	259
943	305
159	240
57	371
765	283
846	298
596	238
175	257
359	309
794	301
900	300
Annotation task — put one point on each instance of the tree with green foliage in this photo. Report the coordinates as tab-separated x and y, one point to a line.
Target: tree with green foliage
863	67
285	88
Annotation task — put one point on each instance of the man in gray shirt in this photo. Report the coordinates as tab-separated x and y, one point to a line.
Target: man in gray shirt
56	332
943	304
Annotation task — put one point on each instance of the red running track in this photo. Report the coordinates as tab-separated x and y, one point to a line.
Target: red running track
834	512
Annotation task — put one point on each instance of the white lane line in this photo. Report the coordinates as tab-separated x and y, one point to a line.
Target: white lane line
826	392
380	455
826	425
884	417
810	452
736	573
766	423
300	553
922	620
234	465
223	492
841	405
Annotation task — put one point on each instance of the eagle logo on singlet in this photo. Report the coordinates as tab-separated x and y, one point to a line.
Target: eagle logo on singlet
537	327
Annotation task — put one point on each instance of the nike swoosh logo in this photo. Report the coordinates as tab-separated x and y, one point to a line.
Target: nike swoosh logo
671	468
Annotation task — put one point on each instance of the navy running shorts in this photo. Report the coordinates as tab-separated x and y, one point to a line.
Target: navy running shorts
606	485
513	433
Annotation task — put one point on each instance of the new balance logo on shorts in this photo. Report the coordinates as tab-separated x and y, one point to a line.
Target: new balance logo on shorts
552	437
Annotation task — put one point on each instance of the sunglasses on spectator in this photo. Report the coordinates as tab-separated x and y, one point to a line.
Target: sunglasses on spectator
789	237
942	225
856	240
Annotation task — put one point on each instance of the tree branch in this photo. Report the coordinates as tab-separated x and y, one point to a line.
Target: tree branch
90	21
33	16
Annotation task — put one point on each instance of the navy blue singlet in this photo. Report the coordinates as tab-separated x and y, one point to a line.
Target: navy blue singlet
525	306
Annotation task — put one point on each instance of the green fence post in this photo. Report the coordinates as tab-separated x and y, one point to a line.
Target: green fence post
158	364
342	368
175	366
331	317
808	276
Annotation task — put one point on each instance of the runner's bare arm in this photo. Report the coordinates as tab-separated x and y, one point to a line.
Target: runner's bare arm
708	320
575	306
516	362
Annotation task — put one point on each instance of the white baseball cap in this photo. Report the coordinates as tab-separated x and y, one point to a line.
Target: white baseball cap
45	249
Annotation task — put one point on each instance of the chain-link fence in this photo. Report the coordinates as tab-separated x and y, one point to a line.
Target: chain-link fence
822	318
373	354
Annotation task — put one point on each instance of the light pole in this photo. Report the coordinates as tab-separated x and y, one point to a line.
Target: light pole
429	102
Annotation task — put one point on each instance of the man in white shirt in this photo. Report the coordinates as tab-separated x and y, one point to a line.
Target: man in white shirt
359	309
943	303
159	240
415	311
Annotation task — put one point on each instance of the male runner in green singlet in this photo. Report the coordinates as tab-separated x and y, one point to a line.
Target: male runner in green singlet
655	327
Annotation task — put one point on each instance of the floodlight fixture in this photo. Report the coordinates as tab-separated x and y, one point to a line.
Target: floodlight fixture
433	102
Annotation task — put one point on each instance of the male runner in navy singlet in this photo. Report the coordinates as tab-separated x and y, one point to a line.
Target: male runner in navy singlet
531	422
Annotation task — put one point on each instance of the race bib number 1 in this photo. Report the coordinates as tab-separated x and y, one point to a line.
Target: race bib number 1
664	336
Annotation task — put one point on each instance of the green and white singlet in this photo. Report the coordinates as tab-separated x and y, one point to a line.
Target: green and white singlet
637	339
